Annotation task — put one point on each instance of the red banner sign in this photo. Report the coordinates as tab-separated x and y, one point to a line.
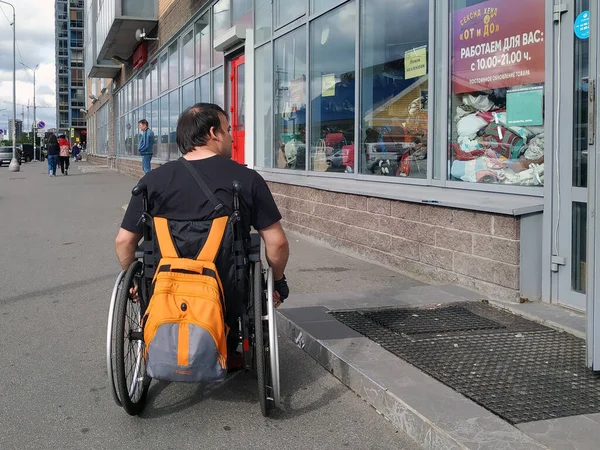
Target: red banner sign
498	44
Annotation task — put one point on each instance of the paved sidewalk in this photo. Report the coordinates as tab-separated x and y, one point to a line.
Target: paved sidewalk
433	414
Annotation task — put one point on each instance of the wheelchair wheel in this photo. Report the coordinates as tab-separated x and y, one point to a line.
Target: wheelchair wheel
132	382
110	347
265	342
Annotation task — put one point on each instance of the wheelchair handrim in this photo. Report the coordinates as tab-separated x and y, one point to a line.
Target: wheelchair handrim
273	340
109	338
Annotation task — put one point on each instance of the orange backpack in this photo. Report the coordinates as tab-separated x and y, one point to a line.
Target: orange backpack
184	325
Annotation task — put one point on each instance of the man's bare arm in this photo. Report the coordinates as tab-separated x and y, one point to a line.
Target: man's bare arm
277	248
125	244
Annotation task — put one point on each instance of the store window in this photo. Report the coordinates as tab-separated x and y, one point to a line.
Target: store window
219	87
203	47
332	90
140	88
497	92
221	23
153	119
187	56
263	92
290	100
394	88
174	111
154	78
319	6
286	11
203	89
147	85
241	13
187	95
263	15
164	72
163	152
173	66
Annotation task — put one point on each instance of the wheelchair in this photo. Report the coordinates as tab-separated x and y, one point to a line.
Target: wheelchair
125	348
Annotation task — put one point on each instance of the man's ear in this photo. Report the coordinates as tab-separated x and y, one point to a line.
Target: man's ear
212	133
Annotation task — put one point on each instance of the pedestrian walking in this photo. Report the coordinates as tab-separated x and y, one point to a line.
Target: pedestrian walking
65	154
146	145
53	152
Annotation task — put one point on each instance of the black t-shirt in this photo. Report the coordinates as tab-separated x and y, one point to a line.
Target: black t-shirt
173	193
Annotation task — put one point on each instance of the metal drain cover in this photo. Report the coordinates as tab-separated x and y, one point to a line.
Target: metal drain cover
409	321
519	370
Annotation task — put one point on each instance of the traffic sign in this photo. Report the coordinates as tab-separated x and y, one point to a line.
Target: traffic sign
41	134
1	132
41	124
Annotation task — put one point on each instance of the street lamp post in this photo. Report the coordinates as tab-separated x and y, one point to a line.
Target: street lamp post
14	164
34	121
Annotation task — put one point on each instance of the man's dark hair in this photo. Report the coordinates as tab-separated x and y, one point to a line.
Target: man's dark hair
52	139
194	124
143	122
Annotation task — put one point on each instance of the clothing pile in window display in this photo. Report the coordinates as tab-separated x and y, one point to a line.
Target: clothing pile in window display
487	150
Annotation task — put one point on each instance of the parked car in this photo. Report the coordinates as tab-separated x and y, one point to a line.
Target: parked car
27	153
6	154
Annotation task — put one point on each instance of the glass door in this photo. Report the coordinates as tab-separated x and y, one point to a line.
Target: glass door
571	157
238	92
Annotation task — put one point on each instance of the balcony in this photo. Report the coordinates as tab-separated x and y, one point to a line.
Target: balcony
117	23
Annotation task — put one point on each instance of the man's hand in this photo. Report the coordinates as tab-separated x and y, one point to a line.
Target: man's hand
281	291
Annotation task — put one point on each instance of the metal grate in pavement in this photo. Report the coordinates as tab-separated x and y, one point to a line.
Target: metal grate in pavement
520	370
409	321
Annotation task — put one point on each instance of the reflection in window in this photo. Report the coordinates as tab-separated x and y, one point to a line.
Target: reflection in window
290	100
332	91
394	89
203	89
152	117
174	112
203	47
163	135
318	6
580	96
497	93
241	13
221	22
187	56
286	11
147	85
262	18
173	66
164	72
263	94
187	95
154	78
219	87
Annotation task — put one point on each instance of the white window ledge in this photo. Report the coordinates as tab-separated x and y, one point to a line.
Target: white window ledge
492	202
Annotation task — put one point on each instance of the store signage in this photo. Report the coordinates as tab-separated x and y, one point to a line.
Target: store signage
415	63
328	85
498	44
140	55
525	106
582	25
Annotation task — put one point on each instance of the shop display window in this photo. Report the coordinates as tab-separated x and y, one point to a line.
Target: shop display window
497	92
290	100
395	81
263	106
332	90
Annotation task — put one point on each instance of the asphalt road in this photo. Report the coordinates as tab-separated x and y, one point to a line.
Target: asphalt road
57	269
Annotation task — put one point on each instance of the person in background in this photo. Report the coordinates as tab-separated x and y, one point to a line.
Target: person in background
53	152
146	145
76	150
65	153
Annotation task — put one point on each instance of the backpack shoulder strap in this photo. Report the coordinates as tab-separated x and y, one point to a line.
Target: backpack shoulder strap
165	240
213	241
211	197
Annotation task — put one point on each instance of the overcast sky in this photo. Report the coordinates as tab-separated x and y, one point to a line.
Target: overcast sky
35	40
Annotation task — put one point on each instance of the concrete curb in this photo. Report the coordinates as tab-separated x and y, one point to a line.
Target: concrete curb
481	433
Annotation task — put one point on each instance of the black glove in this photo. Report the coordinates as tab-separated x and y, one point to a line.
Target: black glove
281	286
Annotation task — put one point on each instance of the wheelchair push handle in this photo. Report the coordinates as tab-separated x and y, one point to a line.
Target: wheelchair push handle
237	190
142	189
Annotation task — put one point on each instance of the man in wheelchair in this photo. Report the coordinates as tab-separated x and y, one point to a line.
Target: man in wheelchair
200	187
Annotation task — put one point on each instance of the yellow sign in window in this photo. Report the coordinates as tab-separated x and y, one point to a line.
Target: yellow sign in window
415	63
